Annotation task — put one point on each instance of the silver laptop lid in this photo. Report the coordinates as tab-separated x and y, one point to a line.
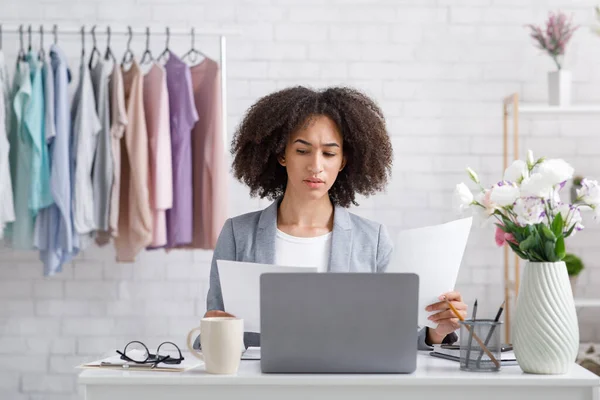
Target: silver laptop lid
339	322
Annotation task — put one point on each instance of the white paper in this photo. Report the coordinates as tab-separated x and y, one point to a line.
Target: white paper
253	353
115	362
435	254
240	286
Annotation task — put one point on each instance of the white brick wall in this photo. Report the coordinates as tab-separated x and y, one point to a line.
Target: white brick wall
439	69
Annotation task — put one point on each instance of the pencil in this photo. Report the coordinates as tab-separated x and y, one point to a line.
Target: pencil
483	346
471	335
489	335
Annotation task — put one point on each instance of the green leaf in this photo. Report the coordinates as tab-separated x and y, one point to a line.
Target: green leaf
530	229
560	249
557	225
536	257
527	244
539	248
547	233
518	237
510	225
516	249
549	250
570	231
502	227
520	234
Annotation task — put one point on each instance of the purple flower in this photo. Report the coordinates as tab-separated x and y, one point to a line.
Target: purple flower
562	185
529	210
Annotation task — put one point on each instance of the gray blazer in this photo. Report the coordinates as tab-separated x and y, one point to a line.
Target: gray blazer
357	245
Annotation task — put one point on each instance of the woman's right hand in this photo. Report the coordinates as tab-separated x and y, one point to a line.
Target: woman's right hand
217	313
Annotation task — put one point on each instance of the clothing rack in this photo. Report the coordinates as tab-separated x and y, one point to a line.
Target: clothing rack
56	32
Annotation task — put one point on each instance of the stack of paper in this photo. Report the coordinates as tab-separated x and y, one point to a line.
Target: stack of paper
115	362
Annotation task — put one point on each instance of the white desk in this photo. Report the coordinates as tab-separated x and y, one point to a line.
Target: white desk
434	379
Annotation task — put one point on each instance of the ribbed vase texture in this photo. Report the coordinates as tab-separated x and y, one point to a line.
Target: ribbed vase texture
545	331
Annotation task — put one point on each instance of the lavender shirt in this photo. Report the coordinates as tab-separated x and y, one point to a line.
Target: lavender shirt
183	116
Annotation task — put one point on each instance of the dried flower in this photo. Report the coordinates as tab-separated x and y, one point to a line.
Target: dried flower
559	31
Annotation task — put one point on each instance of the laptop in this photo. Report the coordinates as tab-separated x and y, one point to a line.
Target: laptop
339	323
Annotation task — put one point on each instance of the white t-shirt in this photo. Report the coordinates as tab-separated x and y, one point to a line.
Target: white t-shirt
86	126
303	251
7	210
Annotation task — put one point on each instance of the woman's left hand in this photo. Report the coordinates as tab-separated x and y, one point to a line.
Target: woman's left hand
445	318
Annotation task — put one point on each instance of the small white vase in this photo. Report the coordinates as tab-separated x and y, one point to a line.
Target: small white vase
545	332
559	88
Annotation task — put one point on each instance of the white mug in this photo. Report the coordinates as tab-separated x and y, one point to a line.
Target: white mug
220	339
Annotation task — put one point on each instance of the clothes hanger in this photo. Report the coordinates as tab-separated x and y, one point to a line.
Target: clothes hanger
128	56
147	52
55	33
109	54
21	55
94	49
29	38
0	36
167	50
41	53
193	53
82	43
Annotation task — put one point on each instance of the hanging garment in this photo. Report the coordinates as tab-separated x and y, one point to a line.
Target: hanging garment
20	232
102	171
118	124
183	116
49	114
135	217
156	110
7	210
208	155
40	239
85	134
40	196
55	237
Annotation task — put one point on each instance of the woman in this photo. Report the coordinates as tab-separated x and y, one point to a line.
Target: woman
311	152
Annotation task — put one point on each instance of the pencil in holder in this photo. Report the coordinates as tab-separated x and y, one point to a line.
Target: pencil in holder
473	357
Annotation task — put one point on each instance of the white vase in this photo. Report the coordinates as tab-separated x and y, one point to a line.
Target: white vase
545	332
559	88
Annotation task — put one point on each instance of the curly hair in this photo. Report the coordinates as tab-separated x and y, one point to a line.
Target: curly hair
264	131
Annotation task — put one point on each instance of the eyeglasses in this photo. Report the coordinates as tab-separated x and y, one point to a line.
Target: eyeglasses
138	353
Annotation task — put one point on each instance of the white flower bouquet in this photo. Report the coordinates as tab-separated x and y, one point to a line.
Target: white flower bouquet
526	204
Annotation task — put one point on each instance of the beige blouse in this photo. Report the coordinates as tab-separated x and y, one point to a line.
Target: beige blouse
135	217
210	172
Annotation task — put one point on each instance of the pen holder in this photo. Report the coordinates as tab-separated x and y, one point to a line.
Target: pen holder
473	357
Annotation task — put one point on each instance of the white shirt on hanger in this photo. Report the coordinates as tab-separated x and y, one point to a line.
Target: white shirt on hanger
7	210
102	178
303	251
86	126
